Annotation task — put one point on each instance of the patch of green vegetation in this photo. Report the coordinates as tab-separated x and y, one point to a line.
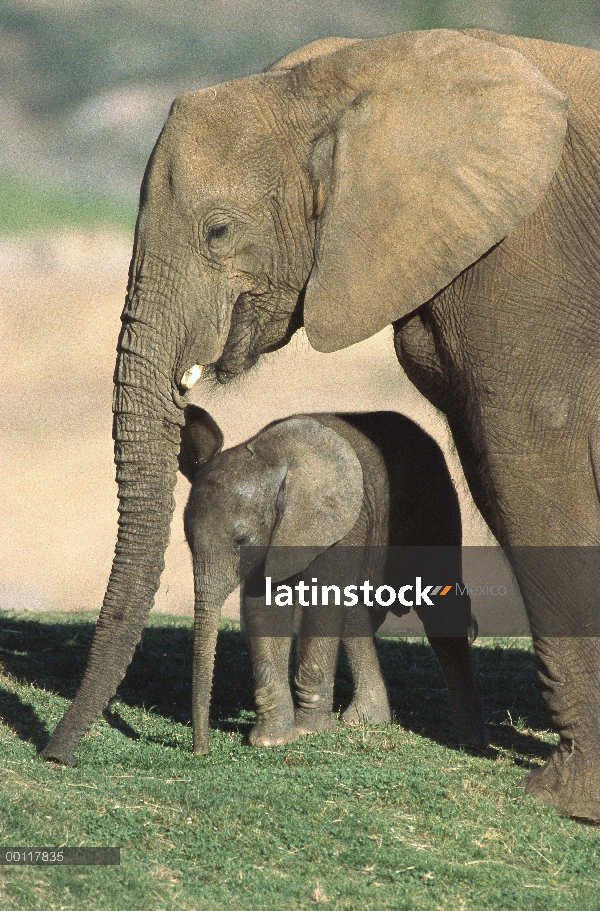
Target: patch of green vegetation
371	818
28	206
68	54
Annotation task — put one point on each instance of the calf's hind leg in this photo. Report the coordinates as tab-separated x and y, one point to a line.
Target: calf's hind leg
370	701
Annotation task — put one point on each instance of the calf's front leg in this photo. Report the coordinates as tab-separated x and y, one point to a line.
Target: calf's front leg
269	642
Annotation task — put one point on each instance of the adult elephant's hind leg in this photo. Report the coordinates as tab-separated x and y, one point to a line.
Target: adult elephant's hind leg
466	709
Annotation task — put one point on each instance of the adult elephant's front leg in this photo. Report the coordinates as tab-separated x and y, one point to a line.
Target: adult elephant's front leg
560	587
509	353
543	504
569	668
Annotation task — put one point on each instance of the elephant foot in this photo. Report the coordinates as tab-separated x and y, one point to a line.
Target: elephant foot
374	711
272	732
313	722
469	729
471	734
569	782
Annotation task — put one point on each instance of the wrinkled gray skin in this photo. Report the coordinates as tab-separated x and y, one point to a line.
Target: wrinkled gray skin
324	480
434	180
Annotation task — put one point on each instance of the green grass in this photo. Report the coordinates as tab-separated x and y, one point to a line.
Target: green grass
368	818
28	206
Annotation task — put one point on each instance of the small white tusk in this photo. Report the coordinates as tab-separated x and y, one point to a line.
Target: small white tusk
191	376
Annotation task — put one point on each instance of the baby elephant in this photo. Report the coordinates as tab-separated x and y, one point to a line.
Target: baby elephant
309	483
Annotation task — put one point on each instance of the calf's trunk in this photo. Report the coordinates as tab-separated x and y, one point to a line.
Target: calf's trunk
210	595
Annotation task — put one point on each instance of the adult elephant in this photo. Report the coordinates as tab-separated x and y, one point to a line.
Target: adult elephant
430	179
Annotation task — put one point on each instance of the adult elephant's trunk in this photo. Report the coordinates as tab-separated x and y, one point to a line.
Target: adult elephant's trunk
210	595
148	415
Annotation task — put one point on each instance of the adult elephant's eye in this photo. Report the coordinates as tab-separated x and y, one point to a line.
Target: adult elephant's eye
216	232
218	239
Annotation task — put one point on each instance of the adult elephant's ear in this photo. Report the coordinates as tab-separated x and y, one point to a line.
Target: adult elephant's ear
321	493
201	439
451	146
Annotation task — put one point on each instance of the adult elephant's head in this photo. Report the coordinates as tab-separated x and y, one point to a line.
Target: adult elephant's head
342	189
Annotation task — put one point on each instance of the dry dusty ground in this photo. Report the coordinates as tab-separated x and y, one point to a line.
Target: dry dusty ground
60	300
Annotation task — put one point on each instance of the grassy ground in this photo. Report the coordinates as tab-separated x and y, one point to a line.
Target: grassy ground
367	818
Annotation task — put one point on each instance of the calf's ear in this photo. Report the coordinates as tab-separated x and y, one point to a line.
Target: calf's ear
321	494
201	439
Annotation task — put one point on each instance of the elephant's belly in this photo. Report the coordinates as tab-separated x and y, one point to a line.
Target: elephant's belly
428	367
416	349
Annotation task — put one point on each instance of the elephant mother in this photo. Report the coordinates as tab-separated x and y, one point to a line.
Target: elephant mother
432	180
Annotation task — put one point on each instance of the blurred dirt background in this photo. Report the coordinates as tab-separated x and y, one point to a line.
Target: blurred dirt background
60	317
85	86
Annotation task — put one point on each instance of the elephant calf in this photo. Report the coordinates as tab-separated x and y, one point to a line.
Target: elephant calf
315	481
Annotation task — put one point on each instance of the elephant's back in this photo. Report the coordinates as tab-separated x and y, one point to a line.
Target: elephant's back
423	504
